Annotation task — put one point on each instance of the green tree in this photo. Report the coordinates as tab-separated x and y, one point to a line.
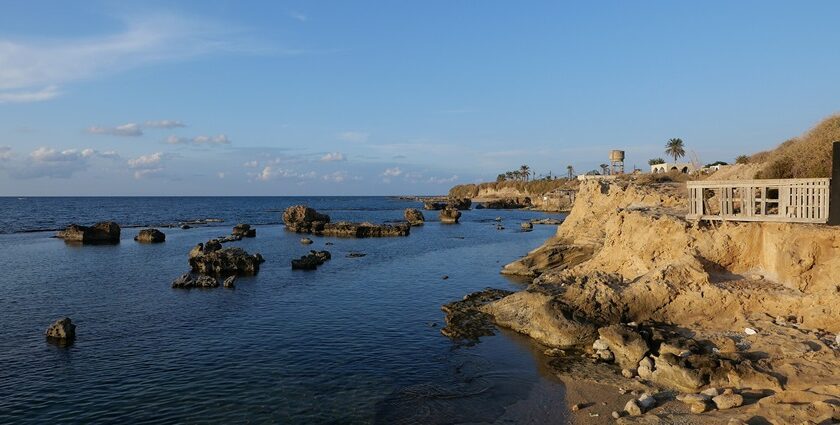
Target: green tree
742	159
675	148
655	161
501	178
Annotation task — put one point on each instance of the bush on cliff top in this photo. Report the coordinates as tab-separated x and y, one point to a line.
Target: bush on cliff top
535	187
806	156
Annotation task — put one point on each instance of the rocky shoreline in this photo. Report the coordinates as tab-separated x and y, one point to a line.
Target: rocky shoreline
687	323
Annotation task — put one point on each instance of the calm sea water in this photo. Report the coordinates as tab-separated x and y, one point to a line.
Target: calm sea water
356	341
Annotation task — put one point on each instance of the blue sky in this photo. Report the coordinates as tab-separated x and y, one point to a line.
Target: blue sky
385	97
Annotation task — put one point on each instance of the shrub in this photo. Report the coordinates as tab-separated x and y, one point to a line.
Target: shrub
806	156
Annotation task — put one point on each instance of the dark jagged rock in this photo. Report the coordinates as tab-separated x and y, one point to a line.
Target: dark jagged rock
440	203
459	203
311	261
150	236
465	320
229	282
414	217
106	232
62	332
302	219
355	254
211	259
189	281
508	204
244	230
527	226
449	215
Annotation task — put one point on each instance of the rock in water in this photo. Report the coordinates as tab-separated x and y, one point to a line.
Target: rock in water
211	259
188	281
302	219
311	261
449	215
204	281
150	236
244	230
526	226
230	282
62	332
106	232
184	281
414	217
306	241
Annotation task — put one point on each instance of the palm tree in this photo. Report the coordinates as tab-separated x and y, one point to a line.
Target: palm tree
509	175
525	171
570	170
675	148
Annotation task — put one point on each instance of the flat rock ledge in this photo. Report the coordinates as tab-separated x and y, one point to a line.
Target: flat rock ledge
303	219
102	233
311	261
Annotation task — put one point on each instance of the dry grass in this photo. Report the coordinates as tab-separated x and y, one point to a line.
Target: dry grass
536	187
806	156
653	178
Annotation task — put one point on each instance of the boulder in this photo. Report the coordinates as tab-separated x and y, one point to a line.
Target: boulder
189	281
150	236
106	232
459	203
672	373
244	230
526	226
311	261
62	332
306	241
302	219
230	282
211	259
434	205
627	345
728	401
414	217
632	408
449	215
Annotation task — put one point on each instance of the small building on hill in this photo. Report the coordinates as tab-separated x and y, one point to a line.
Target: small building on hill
683	167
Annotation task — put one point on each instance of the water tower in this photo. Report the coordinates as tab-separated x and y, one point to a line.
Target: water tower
616	162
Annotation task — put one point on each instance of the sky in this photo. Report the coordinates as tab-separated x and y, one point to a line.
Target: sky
392	97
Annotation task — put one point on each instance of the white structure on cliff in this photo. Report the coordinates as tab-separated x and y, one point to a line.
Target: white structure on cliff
683	167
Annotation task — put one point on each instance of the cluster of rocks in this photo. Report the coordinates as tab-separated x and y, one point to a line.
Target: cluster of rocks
414	217
190	281
311	261
508	203
526	226
150	236
302	219
712	398
550	221
103	233
456	203
244	231
211	259
449	215
62	332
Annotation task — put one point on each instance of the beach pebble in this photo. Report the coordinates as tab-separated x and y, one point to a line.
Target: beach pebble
693	398
646	401
698	407
750	331
622	391
710	392
728	401
837	339
627	373
615	414
632	408
600	344
577	407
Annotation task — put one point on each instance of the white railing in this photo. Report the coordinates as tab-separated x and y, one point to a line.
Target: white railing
786	200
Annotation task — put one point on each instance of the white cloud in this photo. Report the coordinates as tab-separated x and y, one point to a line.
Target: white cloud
139	174
33	70
298	16
392	172
5	153
49	162
129	130
270	173
333	156
251	164
219	139
164	124
146	161
354	136
337	177
26	96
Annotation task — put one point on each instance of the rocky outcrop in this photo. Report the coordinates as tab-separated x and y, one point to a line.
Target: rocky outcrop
438	204
508	203
103	233
311	261
150	236
190	281
449	215
302	219
62	332
244	230
465	320
211	259
414	217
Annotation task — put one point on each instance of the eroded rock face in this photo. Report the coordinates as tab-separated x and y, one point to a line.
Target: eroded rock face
456	203
150	236
465	320
449	215
106	232
244	230
508	204
211	259
311	261
302	219
190	281
62	332
414	217
626	344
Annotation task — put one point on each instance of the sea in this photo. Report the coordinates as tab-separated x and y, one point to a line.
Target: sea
356	341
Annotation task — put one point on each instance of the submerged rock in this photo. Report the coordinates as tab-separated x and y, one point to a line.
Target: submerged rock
189	281
311	261
150	236
62	332
465	320
106	232
414	217
450	215
211	259
306	241
302	219
244	230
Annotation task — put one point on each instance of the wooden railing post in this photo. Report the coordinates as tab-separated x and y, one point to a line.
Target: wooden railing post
834	187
